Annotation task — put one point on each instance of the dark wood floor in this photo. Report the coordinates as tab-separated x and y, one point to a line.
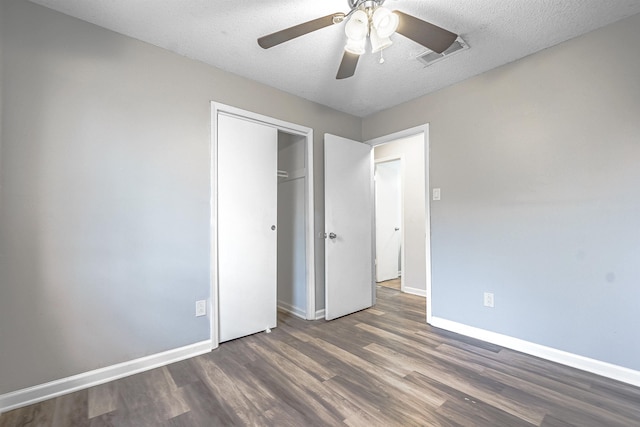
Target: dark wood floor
393	284
379	367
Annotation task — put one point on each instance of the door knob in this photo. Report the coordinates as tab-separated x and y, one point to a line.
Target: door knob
397	229
273	227
332	235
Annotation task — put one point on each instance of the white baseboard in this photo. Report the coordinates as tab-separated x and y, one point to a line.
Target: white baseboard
598	367
288	308
415	291
320	314
38	393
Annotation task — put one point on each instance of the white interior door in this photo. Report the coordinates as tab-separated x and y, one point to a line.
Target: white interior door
349	226
388	219
247	216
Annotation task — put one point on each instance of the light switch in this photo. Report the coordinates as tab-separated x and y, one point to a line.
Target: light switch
436	194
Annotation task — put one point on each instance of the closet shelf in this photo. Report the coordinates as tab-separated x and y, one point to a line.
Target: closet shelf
289	176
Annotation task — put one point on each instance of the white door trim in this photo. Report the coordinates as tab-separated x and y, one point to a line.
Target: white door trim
424	129
216	109
399	157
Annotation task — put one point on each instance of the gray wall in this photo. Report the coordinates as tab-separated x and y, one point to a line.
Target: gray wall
538	162
412	148
104	192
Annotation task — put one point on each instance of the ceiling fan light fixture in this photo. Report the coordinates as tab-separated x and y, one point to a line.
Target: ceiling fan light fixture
378	43
338	18
357	47
357	27
368	19
385	22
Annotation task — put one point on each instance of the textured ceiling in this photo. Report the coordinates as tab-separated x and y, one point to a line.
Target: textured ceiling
223	33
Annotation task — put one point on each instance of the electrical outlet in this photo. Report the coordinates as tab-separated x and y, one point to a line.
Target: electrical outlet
201	308
488	299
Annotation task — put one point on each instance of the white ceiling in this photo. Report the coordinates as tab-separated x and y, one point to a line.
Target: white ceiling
223	33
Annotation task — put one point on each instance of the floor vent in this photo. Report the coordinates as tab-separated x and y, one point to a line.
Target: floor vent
430	58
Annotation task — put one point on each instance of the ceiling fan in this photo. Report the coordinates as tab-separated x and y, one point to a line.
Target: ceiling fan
367	19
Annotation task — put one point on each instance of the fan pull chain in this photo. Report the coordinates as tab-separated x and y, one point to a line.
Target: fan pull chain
381	58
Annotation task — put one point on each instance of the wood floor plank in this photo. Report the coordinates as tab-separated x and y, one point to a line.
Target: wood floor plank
470	413
208	407
380	405
183	372
542	367
363	372
415	331
39	414
306	404
152	389
262	398
71	409
383	366
300	359
284	415
562	388
551	421
584	402
577	416
394	341
364	419
235	402
299	375
472	384
102	399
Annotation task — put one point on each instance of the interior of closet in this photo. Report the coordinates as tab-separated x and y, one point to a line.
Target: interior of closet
292	175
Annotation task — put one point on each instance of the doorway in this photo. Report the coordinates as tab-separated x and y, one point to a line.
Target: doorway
412	145
296	181
388	221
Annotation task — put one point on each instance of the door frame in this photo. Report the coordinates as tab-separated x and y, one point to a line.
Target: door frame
400	158
291	128
424	129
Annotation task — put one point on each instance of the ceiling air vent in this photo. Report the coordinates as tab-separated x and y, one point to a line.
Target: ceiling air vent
430	58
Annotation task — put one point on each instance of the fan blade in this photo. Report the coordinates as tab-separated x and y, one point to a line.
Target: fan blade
290	33
347	66
428	35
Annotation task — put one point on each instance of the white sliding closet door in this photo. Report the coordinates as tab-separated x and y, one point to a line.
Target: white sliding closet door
247	236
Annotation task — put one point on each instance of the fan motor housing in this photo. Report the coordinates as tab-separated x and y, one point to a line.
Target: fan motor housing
357	3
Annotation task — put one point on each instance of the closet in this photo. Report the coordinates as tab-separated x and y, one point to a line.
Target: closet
261	247
292	274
